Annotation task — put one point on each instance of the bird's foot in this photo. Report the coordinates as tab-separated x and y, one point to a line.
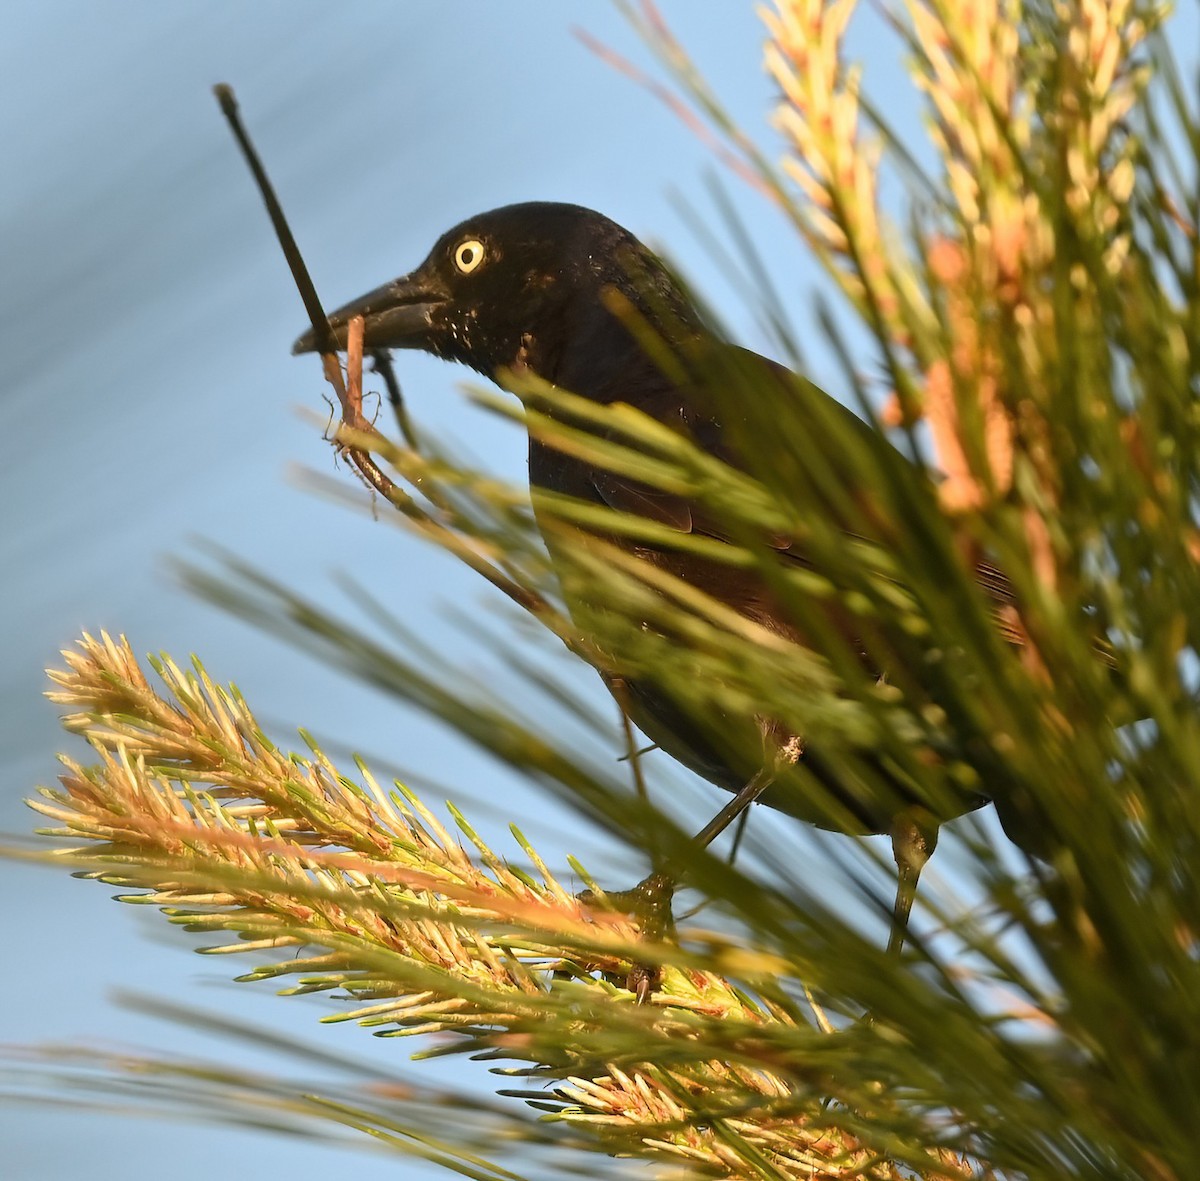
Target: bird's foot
649	905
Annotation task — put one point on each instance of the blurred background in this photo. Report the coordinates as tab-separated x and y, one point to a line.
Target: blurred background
149	400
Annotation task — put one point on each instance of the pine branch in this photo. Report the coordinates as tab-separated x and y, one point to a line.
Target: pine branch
193	806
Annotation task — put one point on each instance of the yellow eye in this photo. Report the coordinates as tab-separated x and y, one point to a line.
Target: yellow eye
468	255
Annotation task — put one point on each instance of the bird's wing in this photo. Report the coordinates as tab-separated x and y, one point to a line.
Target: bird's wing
689	409
628	495
679	409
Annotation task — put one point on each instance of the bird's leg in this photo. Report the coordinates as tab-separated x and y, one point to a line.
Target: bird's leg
738	833
736	806
914	838
730	858
650	900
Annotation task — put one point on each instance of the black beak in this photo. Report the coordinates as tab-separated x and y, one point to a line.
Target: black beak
397	315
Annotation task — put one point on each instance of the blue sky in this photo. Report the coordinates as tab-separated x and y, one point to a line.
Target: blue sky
150	399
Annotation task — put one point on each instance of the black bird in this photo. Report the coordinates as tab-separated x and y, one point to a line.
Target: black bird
532	286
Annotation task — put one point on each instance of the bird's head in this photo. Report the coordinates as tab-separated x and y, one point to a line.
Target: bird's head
508	287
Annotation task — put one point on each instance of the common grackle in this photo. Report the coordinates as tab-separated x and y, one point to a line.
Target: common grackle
532	287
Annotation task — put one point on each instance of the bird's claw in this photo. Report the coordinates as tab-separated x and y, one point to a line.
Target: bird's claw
643	981
649	904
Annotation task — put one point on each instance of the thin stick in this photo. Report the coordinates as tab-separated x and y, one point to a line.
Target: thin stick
326	343
381	362
354	362
356	433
